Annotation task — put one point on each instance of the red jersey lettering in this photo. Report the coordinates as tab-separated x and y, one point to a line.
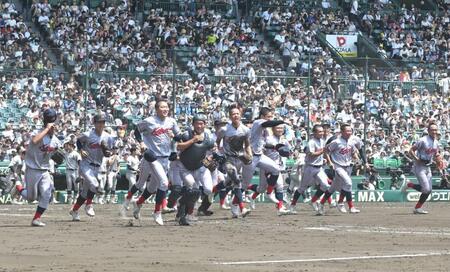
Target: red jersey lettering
160	131
345	150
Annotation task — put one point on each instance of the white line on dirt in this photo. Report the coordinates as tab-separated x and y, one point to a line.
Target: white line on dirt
381	230
20	215
338	259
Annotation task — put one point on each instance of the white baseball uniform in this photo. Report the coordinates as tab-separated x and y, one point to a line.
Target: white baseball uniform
258	136
72	161
341	153
90	166
426	149
155	134
313	172
39	184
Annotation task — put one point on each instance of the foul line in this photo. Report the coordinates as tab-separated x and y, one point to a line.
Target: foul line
339	259
378	230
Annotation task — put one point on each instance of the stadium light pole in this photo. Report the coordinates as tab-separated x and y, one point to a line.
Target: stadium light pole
86	89
174	73
308	94
366	83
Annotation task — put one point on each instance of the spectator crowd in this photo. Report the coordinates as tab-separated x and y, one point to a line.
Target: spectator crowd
268	73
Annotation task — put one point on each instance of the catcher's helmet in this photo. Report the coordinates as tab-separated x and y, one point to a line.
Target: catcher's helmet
50	116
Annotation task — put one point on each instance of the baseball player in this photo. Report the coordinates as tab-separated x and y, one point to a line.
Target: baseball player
132	161
16	170
156	134
93	145
193	148
424	151
38	181
257	138
238	152
72	158
313	173
218	177
276	147
102	179
341	151
113	168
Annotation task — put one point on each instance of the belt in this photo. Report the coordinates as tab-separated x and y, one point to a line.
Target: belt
162	157
70	169
342	165
94	164
316	166
257	155
43	170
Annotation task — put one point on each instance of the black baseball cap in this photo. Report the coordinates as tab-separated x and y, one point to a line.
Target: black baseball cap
99	117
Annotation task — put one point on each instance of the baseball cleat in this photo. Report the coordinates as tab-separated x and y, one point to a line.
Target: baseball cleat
292	209
320	210
136	209
224	207
182	221
420	211
191	218
315	206
126	204
252	204
340	207
75	215
158	218
235	211
354	210
205	213
13	191
168	210
69	200
37	223
283	211
89	209
245	212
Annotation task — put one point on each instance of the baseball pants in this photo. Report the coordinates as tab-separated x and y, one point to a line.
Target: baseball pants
263	163
424	176
39	186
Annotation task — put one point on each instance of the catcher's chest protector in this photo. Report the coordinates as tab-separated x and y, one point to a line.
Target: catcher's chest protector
193	156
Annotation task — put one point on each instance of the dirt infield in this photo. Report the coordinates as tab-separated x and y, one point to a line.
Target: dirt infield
384	237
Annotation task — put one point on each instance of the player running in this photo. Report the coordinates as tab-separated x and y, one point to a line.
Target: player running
238	152
156	133
341	151
39	184
424	151
93	145
313	172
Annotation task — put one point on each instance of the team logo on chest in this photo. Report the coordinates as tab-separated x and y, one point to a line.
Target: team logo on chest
94	145
430	150
345	150
47	148
159	131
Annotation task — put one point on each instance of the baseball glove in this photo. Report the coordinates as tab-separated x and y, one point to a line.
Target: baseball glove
246	159
58	156
105	149
210	164
440	164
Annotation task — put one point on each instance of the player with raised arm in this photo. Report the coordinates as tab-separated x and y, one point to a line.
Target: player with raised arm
258	135
39	184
